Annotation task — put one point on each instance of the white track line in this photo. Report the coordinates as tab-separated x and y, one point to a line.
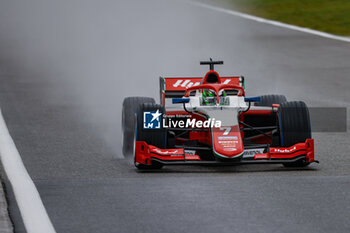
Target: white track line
32	210
272	22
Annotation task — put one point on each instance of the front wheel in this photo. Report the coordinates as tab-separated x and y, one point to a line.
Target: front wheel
130	106
269	100
294	122
149	128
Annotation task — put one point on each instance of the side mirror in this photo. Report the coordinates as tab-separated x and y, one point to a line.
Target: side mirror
252	99
180	100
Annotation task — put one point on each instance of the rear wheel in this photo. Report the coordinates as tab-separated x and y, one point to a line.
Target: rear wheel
155	137
294	122
269	100
130	106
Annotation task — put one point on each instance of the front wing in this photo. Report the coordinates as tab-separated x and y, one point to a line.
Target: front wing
145	154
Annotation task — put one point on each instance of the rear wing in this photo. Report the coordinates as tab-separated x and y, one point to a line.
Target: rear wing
176	87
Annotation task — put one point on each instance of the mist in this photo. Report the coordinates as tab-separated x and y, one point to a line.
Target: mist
95	53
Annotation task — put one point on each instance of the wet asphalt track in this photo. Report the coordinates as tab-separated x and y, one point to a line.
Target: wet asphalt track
85	183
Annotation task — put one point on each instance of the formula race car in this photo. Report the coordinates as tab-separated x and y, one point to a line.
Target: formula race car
209	120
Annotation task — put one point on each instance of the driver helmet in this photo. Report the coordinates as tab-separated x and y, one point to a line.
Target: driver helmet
209	96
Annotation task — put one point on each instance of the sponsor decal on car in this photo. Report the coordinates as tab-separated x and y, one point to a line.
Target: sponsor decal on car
227	137
250	153
277	150
228	142
230	149
190	152
187	83
168	152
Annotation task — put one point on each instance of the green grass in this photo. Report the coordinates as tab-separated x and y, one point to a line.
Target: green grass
332	16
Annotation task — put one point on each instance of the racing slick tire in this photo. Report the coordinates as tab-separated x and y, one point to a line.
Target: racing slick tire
294	126
269	100
154	137
130	106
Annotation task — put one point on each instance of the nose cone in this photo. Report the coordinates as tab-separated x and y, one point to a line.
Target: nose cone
227	142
